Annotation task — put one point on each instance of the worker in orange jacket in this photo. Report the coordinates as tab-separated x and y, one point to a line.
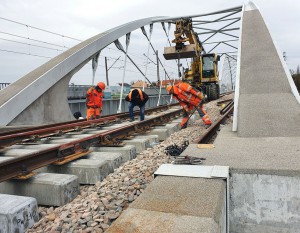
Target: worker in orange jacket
94	97
189	99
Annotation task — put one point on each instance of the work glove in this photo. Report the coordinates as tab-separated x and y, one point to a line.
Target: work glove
200	95
186	109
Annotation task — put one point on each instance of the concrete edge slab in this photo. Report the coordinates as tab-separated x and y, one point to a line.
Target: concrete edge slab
156	222
193	171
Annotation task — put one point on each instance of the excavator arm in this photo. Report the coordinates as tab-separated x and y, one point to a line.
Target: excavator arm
184	33
203	70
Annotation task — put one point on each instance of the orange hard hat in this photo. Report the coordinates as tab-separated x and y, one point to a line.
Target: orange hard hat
101	85
169	87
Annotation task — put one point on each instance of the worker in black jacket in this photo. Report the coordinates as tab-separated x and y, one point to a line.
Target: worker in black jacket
137	97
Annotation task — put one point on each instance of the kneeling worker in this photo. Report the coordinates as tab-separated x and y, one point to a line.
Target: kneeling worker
137	97
189	99
94	97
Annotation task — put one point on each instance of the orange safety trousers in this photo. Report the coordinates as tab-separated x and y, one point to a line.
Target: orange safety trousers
202	113
92	113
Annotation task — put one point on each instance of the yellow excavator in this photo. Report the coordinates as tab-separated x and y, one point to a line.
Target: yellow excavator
203	72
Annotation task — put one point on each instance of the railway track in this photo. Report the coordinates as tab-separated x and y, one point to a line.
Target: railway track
83	136
22	166
210	134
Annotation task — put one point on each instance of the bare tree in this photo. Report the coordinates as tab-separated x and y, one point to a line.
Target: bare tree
292	72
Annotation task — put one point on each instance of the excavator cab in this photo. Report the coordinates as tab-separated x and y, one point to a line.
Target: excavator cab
209	81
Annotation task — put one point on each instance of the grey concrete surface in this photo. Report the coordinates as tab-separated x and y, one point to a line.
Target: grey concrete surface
153	139
269	115
47	188
145	221
88	171
60	140
172	127
33	146
264	203
161	133
128	151
184	195
48	108
266	96
264	155
17	213
176	204
17	152
114	158
140	144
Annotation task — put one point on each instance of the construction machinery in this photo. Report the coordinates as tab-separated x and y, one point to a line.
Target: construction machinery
203	71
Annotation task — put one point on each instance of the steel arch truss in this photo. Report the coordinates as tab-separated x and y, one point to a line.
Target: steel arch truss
39	97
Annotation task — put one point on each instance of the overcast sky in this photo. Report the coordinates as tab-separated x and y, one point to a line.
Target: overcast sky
82	19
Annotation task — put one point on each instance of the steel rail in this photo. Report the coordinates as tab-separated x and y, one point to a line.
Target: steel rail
207	136
32	134
25	129
228	106
223	101
24	165
226	93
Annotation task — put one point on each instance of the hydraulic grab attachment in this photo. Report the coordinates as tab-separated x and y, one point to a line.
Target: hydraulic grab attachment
183	33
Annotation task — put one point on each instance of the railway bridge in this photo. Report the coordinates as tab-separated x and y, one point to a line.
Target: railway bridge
250	178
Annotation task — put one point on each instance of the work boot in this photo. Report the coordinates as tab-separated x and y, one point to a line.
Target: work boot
184	126
131	120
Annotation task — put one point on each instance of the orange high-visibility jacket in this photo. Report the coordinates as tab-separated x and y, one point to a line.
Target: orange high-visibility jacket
94	98
140	94
142	97
186	95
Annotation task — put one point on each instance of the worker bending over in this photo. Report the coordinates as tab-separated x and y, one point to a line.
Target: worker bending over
137	97
94	97
189	99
